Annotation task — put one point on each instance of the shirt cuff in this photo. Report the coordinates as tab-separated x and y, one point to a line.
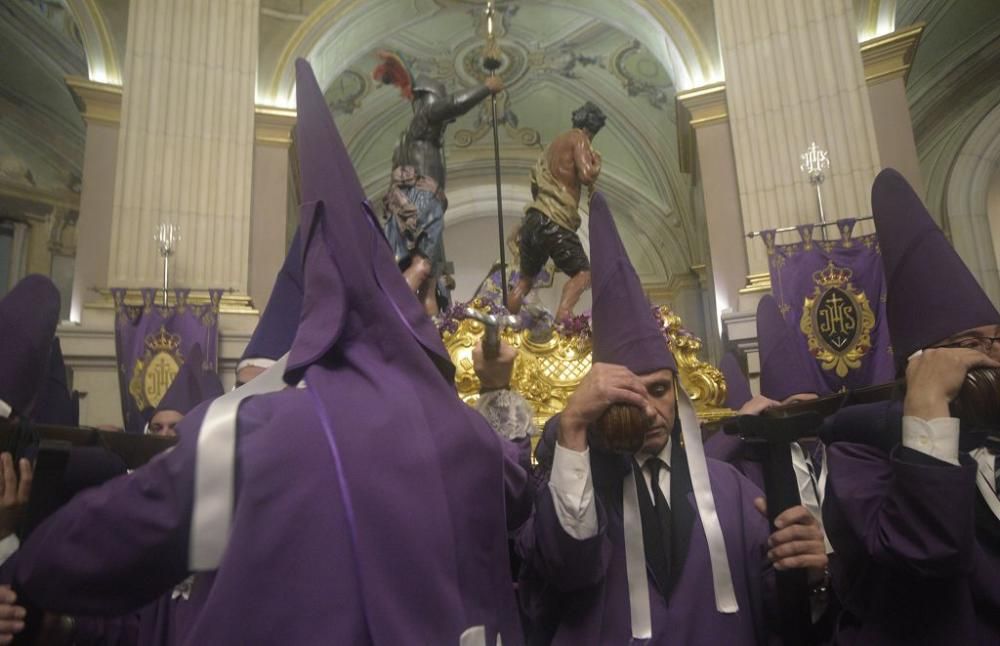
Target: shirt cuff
256	362
8	546
937	437
573	492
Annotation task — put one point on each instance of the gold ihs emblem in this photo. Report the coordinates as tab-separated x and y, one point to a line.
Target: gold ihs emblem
837	321
155	371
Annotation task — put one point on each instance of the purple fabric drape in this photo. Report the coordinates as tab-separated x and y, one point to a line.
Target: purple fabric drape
833	292
152	342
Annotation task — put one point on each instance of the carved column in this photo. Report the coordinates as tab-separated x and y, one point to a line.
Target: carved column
706	138
269	211
100	105
186	150
794	75
886	63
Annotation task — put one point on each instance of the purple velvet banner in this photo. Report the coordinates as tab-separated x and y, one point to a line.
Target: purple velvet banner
833	292
152	342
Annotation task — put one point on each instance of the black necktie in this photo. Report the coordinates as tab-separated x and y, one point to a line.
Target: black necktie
656	527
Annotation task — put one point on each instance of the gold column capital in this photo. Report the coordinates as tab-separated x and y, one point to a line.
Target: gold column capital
757	283
703	106
273	126
697	108
888	57
97	102
231	302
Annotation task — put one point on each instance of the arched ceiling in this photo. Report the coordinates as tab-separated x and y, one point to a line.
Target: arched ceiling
41	132
629	55
679	33
556	58
953	83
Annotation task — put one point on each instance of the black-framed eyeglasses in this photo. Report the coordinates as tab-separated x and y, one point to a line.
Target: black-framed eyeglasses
982	343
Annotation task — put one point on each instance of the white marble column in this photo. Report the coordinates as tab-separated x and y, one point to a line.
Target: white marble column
794	75
269	210
887	63
101	108
186	148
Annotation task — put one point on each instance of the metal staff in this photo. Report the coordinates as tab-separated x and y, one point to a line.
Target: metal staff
167	236
492	62
814	162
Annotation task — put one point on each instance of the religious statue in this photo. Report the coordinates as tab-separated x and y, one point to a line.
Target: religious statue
552	218
415	203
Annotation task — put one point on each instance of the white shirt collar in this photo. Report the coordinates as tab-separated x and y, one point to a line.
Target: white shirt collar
5	409
664	455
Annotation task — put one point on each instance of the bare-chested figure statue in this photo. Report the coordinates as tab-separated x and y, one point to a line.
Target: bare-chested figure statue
552	218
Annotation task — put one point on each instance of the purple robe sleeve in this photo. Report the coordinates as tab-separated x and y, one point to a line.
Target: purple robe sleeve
566	562
99	631
914	516
116	547
518	485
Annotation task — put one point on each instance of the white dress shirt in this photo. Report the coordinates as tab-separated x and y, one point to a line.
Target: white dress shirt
573	488
937	437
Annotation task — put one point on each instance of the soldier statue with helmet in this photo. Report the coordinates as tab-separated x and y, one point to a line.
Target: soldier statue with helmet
415	203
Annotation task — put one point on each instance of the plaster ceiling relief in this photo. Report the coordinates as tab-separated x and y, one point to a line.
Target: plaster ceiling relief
546	81
41	131
333	34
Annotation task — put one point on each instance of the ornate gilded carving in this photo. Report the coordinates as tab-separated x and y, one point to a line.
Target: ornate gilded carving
547	372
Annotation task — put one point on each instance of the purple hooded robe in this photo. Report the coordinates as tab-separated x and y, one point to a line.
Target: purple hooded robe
372	506
580	587
917	549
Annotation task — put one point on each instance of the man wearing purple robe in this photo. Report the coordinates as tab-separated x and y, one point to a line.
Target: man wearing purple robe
191	386
29	314
785	378
737	385
56	404
275	331
911	505
371	506
621	561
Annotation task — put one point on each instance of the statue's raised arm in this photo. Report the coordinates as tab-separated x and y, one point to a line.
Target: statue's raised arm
415	202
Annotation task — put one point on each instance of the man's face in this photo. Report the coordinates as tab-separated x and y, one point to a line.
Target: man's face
981	338
164	422
661	408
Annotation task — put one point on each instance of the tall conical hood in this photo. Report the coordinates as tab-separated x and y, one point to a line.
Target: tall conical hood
931	294
192	385
346	258
737	386
784	365
275	331
56	404
625	330
626	333
29	314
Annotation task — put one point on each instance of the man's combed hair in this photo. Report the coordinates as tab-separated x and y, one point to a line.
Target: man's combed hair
589	117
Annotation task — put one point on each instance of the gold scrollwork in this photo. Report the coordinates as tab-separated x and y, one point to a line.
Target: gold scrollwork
547	372
156	369
837	321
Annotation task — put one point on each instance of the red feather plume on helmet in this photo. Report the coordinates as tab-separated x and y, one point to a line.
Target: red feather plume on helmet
392	70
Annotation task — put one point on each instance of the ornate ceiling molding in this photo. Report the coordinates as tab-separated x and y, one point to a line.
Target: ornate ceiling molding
97	102
890	56
663	28
273	126
102	58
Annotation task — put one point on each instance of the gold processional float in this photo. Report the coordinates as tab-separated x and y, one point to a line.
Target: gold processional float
548	369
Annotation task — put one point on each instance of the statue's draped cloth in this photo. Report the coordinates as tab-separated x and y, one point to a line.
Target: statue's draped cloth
551	198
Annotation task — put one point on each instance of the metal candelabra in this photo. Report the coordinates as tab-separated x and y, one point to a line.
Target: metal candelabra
166	237
814	162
